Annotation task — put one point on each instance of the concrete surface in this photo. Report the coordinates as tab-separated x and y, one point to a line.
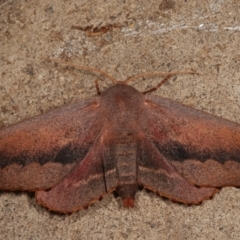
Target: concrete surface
154	36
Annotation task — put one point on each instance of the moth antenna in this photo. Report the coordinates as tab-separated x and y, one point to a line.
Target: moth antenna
149	74
84	68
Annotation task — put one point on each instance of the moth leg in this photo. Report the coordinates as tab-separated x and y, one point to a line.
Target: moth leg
158	86
97	87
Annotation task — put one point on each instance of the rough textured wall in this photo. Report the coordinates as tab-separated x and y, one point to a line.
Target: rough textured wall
153	36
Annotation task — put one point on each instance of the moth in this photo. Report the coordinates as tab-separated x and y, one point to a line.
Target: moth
92	31
119	141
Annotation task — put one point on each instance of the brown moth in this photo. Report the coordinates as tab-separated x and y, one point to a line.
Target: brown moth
91	31
120	141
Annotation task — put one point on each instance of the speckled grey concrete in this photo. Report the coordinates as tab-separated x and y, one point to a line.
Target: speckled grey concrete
154	36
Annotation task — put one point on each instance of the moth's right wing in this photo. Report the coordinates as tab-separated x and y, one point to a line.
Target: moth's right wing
37	153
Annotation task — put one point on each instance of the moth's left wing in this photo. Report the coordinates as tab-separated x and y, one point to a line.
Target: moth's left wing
37	153
203	149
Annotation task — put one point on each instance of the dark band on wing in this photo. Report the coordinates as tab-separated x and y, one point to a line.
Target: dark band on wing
66	155
179	152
